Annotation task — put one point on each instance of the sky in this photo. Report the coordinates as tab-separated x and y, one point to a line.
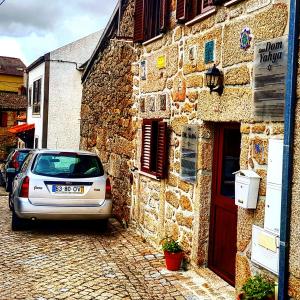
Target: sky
31	28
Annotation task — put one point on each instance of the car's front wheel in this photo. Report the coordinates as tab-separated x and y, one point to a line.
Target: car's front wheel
16	222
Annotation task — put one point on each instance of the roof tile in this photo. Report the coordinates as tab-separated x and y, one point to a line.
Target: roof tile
12	101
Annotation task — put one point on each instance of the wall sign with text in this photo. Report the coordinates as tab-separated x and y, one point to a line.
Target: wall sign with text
269	70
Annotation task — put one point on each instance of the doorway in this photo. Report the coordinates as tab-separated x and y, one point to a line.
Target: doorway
223	213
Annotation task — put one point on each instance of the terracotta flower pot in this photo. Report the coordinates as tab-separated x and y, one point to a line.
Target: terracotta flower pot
173	260
240	297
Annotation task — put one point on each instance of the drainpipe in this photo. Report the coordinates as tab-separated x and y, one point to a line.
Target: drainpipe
289	118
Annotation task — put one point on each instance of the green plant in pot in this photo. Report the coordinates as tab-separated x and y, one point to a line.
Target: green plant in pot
257	288
173	253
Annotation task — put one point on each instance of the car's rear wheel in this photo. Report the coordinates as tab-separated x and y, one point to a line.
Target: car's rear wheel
16	222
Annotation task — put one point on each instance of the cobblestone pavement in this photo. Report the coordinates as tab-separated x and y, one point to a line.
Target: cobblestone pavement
75	261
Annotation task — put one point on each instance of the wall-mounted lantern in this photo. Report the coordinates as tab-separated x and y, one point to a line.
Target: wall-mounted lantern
214	80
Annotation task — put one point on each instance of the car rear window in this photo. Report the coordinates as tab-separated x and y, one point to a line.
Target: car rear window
67	165
22	155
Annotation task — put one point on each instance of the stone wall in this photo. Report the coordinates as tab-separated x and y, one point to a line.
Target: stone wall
107	117
173	206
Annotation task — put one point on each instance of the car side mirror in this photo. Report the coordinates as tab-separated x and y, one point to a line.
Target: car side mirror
11	170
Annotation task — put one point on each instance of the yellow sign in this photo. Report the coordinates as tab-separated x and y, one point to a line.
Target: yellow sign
161	62
267	241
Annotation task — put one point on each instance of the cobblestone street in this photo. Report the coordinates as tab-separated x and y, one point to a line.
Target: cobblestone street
74	261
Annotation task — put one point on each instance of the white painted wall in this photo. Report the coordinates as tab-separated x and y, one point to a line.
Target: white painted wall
33	75
65	92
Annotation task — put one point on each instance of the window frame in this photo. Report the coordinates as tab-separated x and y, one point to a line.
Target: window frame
3	119
30	96
151	14
36	96
188	10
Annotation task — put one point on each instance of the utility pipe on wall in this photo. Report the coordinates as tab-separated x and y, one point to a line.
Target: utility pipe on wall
289	119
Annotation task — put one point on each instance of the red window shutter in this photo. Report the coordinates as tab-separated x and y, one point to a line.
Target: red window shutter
161	159
139	23
163	15
4	119
181	12
147	136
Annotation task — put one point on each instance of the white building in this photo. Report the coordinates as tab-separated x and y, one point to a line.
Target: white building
54	94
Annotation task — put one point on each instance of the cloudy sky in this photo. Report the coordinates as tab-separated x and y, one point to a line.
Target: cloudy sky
31	28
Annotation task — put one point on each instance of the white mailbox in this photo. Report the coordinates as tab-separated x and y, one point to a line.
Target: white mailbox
246	188
265	249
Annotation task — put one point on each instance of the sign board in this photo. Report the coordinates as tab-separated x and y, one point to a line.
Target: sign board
189	153
161	62
269	70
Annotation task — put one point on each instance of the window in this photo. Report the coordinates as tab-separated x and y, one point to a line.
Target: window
3	119
154	148
36	143
30	96
26	162
188	9
36	106
149	19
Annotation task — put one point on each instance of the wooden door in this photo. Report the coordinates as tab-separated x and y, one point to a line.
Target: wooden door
223	219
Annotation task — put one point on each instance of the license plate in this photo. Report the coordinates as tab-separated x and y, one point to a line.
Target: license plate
72	189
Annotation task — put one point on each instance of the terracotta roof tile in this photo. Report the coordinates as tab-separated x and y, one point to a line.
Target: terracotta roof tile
11	66
12	101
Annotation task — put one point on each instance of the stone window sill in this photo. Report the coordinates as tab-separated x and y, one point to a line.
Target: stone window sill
36	115
201	17
148	175
232	2
158	37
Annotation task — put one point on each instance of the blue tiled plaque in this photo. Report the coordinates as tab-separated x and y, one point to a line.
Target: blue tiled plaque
209	52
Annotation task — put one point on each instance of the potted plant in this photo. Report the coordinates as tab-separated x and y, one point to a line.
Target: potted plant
173	253
257	288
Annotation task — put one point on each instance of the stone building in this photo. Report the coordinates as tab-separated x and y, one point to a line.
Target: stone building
208	135
171	138
107	117
12	101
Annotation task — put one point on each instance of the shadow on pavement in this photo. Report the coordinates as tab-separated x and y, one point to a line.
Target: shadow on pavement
73	227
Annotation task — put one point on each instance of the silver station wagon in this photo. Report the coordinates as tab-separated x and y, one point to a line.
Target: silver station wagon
60	185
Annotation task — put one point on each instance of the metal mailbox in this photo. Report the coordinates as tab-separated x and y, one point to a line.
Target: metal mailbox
246	188
265	249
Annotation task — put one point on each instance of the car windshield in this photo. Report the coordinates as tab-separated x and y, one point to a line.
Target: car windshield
67	165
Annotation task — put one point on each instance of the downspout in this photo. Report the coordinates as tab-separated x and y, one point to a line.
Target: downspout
289	118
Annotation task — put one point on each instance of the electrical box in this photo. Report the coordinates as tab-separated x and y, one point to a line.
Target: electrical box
275	161
274	186
273	208
246	188
265	249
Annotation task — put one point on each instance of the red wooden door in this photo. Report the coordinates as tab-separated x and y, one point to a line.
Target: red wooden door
223	220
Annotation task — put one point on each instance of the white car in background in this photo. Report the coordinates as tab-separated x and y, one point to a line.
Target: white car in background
60	185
